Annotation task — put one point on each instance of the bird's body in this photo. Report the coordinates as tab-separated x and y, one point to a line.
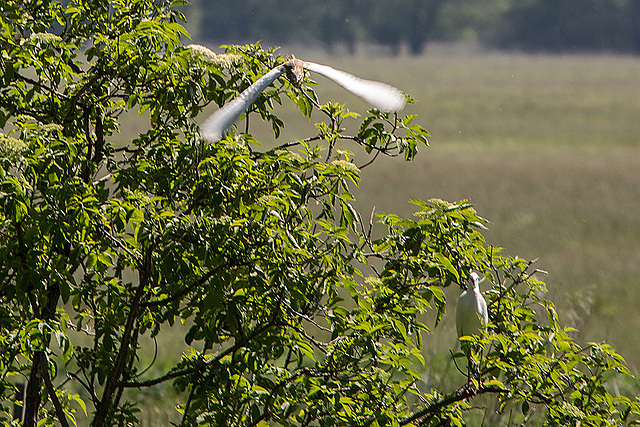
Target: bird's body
381	95
471	312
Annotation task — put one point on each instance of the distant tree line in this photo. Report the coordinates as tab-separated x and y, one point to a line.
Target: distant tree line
529	25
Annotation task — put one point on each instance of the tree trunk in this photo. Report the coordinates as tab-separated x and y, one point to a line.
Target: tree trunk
34	386
34	392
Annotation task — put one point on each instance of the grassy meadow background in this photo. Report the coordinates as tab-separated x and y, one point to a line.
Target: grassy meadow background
548	150
546	147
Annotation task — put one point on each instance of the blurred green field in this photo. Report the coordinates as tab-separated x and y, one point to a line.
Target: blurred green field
546	147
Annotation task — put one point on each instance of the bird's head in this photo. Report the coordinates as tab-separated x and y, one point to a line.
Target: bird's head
294	69
475	279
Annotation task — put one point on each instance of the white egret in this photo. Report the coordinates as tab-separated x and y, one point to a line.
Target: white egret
380	95
472	317
471	312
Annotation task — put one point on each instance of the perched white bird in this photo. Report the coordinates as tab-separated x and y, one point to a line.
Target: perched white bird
380	95
471	311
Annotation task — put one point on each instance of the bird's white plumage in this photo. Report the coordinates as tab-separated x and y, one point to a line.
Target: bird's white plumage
471	312
214	127
381	95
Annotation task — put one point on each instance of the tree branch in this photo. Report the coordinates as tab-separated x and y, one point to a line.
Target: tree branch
62	418
463	393
113	381
184	291
200	366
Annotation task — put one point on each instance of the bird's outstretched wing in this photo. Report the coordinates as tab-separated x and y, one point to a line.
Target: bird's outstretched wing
381	95
214	127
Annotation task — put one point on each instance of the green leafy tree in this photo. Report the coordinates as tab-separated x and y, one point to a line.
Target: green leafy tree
295	315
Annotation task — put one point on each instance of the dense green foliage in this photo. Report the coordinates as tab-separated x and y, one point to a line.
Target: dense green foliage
538	25
295	314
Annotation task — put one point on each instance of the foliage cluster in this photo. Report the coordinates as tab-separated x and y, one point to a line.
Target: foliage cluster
295	315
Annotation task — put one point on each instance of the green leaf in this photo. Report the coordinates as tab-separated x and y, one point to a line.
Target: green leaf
446	263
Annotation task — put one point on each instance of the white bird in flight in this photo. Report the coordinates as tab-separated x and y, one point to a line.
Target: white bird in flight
380	95
471	312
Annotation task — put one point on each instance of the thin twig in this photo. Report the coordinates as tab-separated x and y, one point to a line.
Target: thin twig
199	367
184	291
104	178
88	387
307	318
